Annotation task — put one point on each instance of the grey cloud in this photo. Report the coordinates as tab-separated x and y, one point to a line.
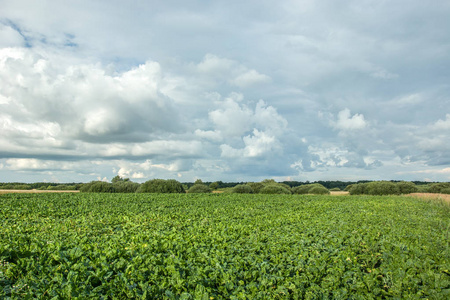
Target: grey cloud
349	89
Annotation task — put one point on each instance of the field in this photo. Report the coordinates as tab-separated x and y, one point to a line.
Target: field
222	246
34	191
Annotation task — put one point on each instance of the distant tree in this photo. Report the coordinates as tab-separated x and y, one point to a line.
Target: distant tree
161	186
125	186
198	181
97	187
319	190
256	186
406	187
438	187
242	189
358	189
313	188
275	189
268	181
119	179
214	186
382	188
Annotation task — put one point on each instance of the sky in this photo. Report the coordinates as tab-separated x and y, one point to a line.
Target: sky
224	90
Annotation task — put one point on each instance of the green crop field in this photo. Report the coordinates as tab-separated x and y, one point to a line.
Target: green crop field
222	246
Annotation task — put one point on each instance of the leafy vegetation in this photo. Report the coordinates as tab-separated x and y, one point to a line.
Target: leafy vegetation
315	188
161	186
222	246
97	187
441	187
383	188
124	185
275	189
243	189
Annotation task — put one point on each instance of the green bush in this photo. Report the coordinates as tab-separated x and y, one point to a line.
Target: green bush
285	186
314	188
274	189
358	189
86	187
125	186
348	187
22	187
161	186
301	190
256	186
424	188
406	187
214	186
97	187
336	189
445	191
319	190
382	188
199	188
242	189
61	187
438	187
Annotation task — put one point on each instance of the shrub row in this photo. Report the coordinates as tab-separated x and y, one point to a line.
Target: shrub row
271	187
383	188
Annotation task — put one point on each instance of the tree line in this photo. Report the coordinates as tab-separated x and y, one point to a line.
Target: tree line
267	186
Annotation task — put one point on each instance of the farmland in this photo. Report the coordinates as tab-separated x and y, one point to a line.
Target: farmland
222	246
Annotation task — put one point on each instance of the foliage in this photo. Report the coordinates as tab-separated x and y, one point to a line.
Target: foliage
336	189
302	189
222	246
125	186
383	188
406	187
314	188
243	189
161	186
256	186
117	179
275	189
61	187
319	190
214	186
97	187
358	189
438	187
199	188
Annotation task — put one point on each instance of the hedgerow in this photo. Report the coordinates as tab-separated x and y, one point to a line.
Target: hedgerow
383	188
97	187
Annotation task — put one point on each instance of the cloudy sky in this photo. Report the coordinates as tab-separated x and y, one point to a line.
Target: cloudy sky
224	90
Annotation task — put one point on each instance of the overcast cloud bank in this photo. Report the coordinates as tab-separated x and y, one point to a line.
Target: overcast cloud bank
291	90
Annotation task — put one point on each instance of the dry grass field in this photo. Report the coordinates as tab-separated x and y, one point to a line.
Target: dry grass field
443	197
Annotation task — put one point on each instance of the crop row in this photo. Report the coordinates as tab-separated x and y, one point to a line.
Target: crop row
228	246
